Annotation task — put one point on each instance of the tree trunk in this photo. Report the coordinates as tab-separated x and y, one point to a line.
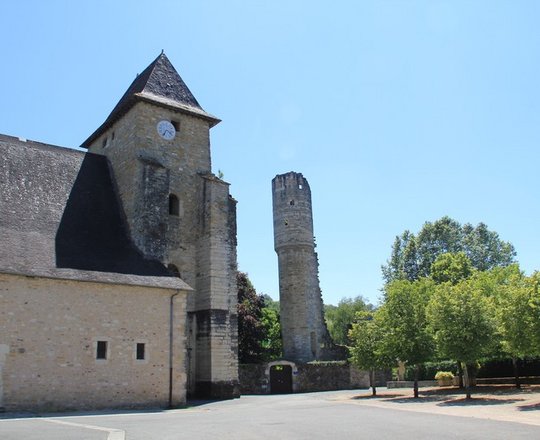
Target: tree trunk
401	370
460	375
466	381
372	383
516	372
416	373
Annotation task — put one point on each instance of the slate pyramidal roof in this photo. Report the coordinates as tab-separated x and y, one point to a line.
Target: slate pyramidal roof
160	84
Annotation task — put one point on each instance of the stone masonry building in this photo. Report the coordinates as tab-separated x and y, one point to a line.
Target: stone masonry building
117	266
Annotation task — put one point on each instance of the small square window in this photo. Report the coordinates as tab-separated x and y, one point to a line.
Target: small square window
140	351
101	350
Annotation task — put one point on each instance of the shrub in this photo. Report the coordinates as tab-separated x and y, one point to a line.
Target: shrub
444	375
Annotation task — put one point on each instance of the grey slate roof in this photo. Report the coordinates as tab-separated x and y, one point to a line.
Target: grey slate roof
60	218
159	83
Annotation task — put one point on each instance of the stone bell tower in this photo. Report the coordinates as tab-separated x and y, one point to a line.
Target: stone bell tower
157	141
304	333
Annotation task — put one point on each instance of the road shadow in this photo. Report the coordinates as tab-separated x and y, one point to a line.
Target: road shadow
454	396
378	397
195	403
478	401
420	399
531	407
61	414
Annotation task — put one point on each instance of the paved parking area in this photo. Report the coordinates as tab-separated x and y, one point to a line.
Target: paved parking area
313	416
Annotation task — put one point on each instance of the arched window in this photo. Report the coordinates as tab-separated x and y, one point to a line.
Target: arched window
174	205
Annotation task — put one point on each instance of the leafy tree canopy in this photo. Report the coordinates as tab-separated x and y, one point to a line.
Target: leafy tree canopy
259	330
403	315
462	320
271	344
366	336
339	319
412	255
451	268
250	328
517	300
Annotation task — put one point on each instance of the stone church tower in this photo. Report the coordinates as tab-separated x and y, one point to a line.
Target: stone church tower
304	333
157	141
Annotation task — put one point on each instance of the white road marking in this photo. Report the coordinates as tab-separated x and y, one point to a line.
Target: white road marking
114	434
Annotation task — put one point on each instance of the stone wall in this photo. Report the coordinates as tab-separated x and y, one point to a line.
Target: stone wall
49	330
253	379
324	376
330	376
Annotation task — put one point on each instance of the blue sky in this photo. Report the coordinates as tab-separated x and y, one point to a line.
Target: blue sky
397	112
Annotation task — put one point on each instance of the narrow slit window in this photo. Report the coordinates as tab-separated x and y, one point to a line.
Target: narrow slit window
141	351
313	343
174	205
101	350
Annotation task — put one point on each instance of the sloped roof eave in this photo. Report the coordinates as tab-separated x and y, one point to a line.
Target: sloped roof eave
170	283
153	99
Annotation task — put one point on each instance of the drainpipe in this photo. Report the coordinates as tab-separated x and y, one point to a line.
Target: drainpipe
171	337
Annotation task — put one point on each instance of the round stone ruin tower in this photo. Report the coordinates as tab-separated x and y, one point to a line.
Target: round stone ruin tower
304	333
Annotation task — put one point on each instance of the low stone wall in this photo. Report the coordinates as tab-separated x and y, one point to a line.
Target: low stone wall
252	379
508	380
324	376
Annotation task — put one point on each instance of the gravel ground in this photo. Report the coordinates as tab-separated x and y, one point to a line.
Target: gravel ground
497	402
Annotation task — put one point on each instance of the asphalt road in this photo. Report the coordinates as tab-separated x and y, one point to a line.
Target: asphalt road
300	416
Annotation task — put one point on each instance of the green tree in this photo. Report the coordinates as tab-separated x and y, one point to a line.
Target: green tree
518	313
412	255
485	249
366	336
339	319
271	303
440	237
271	344
251	331
406	336
451	268
534	283
403	262
462	321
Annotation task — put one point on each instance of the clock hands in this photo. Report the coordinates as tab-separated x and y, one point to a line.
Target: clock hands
166	130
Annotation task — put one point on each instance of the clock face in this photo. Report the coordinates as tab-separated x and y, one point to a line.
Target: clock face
166	130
